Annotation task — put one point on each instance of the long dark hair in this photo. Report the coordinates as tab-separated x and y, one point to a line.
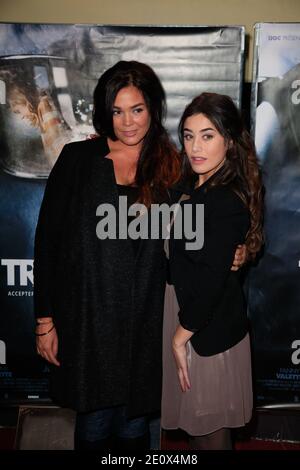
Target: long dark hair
158	165
240	169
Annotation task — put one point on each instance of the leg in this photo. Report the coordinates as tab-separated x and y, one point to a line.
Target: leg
132	434
218	440
93	430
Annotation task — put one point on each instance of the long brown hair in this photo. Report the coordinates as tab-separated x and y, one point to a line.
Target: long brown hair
158	166
240	169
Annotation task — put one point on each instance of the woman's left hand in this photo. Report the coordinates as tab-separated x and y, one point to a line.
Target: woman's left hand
240	257
180	339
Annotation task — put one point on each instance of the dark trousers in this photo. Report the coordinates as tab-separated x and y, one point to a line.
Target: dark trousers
109	428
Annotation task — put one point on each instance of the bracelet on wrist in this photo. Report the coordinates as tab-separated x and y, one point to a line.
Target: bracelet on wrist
46	333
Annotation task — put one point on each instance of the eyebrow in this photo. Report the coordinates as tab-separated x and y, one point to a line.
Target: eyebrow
132	107
201	130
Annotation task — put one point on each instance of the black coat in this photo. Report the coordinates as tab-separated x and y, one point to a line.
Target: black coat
209	294
106	304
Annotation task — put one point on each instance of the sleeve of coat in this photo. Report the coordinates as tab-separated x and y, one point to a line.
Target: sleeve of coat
48	230
226	227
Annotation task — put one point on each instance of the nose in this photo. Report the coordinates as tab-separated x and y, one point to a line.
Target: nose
197	145
127	119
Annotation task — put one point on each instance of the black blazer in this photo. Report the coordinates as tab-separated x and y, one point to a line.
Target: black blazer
209	294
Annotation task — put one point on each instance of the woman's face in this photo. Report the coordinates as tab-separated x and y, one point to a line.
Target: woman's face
22	107
204	145
131	118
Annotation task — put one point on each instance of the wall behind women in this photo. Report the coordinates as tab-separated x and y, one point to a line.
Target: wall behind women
185	12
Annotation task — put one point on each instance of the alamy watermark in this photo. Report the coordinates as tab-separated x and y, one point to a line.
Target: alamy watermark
153	223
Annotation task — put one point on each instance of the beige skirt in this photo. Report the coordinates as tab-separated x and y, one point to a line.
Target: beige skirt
221	385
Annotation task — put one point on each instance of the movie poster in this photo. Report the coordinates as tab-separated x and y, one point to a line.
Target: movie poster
274	294
47	77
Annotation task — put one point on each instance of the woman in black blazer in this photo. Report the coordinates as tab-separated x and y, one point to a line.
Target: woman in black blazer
208	388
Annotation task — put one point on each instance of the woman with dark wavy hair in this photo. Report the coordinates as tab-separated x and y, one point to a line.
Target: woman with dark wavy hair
99	302
207	389
157	165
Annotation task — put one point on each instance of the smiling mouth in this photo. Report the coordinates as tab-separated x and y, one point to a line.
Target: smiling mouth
129	133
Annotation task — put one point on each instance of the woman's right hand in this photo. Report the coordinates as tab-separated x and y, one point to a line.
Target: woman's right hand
47	345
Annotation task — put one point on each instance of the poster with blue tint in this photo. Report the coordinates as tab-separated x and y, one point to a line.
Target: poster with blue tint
274	295
47	76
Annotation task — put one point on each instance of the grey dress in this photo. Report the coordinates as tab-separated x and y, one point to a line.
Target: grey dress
221	385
